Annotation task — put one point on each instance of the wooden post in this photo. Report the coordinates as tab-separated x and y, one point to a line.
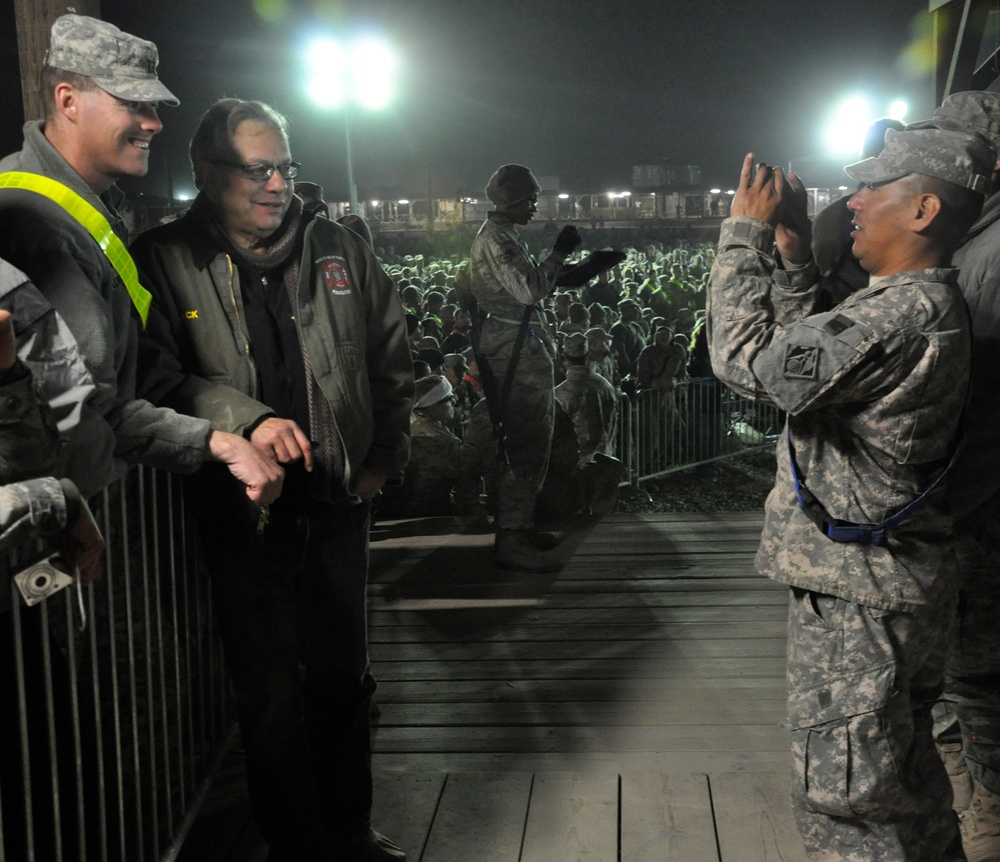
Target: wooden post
33	19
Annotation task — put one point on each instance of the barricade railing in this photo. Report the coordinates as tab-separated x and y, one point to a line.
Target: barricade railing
699	420
115	701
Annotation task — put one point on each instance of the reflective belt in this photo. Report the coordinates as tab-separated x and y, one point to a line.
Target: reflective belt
848	531
95	223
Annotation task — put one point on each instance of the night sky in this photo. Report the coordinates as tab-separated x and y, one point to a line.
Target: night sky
578	89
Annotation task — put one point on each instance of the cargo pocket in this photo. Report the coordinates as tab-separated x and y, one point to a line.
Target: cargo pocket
845	761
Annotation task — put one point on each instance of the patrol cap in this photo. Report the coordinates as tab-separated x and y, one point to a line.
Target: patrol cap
119	63
969	111
957	157
511	184
575	344
597	333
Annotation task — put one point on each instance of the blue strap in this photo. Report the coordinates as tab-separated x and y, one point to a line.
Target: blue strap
847	531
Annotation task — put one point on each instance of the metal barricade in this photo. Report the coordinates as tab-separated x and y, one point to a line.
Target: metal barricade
116	701
662	431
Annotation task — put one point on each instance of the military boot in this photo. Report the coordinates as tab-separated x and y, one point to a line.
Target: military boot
958	774
515	551
980	826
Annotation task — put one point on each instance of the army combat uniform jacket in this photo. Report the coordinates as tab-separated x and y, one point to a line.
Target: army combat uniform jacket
874	391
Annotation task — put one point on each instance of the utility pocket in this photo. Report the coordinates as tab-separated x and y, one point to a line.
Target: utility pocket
845	757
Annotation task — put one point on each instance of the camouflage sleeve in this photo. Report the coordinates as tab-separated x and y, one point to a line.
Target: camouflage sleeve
29	510
516	273
764	342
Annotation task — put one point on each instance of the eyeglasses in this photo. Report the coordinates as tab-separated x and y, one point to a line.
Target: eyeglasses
262	173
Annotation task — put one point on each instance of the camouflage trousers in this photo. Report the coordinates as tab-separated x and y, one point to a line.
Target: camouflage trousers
867	782
970	706
528	425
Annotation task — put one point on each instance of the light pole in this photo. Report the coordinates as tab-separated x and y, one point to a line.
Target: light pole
361	72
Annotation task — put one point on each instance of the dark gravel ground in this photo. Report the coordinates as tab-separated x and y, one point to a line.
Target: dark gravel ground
739	483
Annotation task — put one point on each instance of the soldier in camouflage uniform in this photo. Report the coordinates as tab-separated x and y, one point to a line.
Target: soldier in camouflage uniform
972	678
600	357
856	525
589	399
433	468
569	486
505	281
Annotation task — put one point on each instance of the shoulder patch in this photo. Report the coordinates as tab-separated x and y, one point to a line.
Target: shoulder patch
335	275
801	362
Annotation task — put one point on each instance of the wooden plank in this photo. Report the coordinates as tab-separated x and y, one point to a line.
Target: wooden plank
448	690
480	816
572	818
710	712
580	740
537	631
692	664
754	819
404	807
746	759
666	818
469	620
384	610
530	652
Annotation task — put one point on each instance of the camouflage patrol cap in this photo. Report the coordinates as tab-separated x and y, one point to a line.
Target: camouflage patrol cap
575	344
119	63
969	111
957	157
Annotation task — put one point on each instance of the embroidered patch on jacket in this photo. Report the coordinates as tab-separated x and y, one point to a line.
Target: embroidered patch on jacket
192	314
801	362
335	273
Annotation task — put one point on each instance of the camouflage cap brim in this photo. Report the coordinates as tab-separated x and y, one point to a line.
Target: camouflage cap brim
132	90
874	171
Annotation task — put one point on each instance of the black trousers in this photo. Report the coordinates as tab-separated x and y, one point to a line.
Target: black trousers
291	609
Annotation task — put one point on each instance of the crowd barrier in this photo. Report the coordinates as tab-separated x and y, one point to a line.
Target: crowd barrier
661	431
115	704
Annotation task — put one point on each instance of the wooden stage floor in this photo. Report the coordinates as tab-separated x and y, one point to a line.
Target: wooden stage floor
625	709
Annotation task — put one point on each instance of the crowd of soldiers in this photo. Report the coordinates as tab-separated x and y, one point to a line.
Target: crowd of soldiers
627	332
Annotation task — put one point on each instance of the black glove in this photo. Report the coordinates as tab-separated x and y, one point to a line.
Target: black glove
568	239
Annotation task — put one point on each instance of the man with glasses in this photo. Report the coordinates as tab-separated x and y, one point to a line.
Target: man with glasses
285	330
57	210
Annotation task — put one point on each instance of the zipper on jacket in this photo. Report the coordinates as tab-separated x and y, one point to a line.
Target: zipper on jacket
242	327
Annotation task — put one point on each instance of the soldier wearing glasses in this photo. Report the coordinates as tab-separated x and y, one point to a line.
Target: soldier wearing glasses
285	330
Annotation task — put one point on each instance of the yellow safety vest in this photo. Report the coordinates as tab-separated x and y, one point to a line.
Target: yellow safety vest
95	223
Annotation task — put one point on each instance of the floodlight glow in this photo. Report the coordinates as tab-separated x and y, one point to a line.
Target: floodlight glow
402	202
715	191
898	109
361	71
374	69
563	196
625	195
328	71
846	129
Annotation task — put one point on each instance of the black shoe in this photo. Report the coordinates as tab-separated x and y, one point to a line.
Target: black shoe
370	846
